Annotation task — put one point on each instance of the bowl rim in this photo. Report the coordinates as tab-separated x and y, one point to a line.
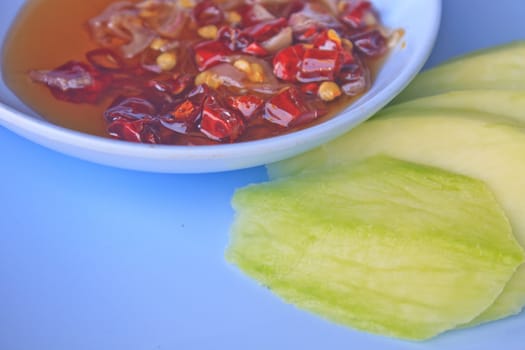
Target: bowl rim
50	135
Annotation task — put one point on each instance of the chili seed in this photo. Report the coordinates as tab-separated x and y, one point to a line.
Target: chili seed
167	61
329	91
233	17
208	32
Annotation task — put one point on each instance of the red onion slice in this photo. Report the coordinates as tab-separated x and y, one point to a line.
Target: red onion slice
278	42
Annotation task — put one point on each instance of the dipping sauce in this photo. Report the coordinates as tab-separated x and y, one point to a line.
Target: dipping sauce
189	72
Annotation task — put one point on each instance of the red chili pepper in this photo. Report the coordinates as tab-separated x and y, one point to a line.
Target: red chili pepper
326	41
74	82
142	130
233	38
265	30
105	59
210	53
310	88
355	12
319	65
371	43
286	108
247	105
287	62
219	123
186	111
255	49
130	109
207	12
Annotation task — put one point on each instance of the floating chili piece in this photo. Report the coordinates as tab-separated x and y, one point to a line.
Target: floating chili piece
265	30
129	108
357	14
255	49
319	65
210	53
105	59
287	62
175	86
254	14
291	7
143	130
74	81
233	38
187	111
354	79
371	43
183	118
219	123
207	12
308	35
287	108
328	40
246	105
310	88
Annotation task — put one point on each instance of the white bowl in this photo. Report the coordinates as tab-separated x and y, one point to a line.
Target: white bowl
420	19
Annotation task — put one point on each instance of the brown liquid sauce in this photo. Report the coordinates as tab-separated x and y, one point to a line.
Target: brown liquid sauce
48	33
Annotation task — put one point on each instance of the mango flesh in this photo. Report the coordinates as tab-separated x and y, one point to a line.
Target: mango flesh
382	245
502	67
508	104
474	145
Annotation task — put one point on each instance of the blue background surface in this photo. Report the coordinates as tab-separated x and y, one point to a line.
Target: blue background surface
98	258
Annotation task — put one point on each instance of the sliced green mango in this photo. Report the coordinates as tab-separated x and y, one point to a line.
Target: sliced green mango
382	245
502	67
472	144
502	103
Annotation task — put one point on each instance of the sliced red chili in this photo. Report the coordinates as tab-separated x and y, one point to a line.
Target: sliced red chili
371	43
291	7
285	107
125	130
328	40
253	14
210	53
186	111
159	94
184	117
219	123
355	13
105	59
233	38
129	108
319	65
287	62
247	105
207	12
181	83
199	93
308	35
255	49
175	86
142	130
74	82
354	79
265	30
310	88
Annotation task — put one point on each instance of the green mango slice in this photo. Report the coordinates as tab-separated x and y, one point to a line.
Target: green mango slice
502	67
476	145
509	104
382	245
